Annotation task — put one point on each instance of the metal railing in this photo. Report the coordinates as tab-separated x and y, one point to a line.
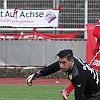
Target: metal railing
74	14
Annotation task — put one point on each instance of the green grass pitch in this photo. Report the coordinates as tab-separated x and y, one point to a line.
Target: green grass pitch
24	92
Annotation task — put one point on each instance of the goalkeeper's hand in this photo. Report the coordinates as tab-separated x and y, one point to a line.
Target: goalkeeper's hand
29	79
65	94
32	77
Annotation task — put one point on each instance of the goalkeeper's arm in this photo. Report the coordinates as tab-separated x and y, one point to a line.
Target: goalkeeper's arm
44	72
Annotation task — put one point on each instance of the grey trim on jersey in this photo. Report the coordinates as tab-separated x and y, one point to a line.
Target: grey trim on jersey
75	71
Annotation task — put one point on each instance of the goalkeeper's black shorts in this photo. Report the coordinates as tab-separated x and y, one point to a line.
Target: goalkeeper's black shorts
93	97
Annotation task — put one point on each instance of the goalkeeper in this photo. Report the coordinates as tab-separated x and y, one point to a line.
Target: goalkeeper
82	76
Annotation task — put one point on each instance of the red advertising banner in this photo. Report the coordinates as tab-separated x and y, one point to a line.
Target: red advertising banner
37	35
91	42
56	36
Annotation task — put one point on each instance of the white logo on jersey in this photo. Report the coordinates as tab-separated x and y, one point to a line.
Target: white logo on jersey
79	85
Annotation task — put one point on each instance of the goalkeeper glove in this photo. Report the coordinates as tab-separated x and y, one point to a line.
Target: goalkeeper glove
65	94
31	77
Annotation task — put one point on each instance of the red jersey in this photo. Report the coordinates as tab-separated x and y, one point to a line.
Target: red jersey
95	62
96	33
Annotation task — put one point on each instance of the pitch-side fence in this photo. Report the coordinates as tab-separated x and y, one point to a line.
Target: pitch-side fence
74	14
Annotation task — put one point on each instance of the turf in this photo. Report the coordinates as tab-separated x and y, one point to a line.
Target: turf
23	92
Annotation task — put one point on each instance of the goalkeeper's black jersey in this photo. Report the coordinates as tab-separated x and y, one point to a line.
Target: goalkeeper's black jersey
83	77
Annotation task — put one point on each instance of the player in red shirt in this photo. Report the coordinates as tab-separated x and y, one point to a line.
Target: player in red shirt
95	62
96	33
